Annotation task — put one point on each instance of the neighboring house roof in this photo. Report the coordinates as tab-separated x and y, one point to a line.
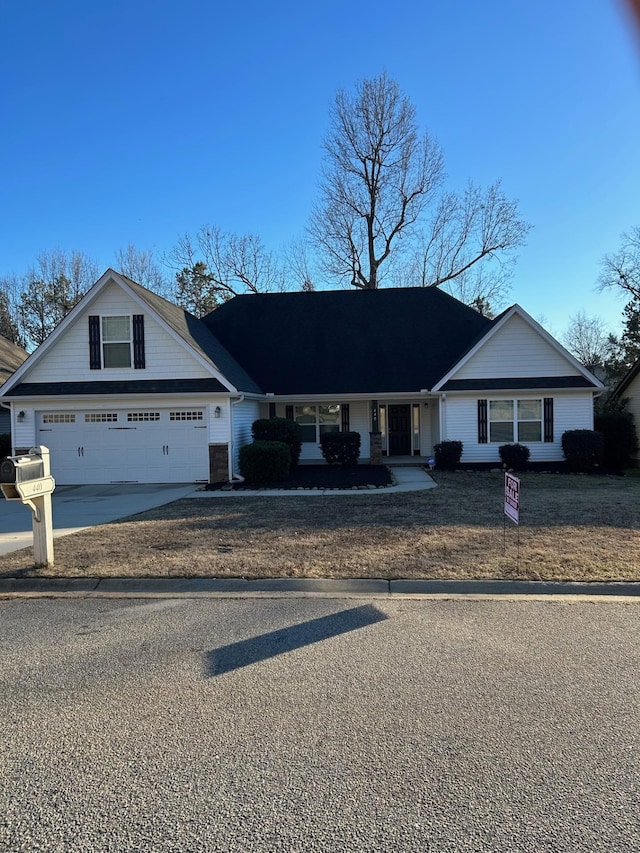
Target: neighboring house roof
626	380
11	357
347	341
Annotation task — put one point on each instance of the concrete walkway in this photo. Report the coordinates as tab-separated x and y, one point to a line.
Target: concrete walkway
406	479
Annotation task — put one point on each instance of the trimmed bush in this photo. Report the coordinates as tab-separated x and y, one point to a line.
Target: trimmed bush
514	456
265	462
280	429
583	449
340	448
448	454
5	445
620	438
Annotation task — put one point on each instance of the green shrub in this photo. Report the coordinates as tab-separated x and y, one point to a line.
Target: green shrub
583	449
340	448
448	454
5	445
620	438
514	456
280	429
265	462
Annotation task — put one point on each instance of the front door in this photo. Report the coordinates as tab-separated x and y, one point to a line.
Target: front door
399	431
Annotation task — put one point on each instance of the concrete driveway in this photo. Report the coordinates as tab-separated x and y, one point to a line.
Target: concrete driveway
78	507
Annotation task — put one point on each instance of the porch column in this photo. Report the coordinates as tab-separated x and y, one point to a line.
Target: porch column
375	436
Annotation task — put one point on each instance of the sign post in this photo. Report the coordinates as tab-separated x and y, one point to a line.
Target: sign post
511	509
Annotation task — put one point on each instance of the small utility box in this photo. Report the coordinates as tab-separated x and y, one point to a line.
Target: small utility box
28	479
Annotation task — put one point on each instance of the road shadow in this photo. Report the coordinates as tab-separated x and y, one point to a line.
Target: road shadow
236	655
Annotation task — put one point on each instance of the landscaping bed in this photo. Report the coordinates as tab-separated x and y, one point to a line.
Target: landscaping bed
322	477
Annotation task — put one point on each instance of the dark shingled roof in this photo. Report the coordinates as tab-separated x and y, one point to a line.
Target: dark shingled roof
125	386
521	382
347	341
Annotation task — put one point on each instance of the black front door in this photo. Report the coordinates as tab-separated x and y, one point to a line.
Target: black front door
399	431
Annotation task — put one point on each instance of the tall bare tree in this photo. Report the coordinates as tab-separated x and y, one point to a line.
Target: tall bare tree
50	289
380	177
621	269
141	266
589	340
237	263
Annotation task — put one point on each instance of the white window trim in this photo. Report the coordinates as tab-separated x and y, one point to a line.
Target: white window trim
104	343
515	422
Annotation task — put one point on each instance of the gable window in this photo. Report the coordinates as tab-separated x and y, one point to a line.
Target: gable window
515	420
116	341
317	420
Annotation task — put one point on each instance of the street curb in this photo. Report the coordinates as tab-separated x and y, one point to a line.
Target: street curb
240	587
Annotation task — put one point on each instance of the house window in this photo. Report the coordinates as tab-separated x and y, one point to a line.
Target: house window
116	341
316	421
515	420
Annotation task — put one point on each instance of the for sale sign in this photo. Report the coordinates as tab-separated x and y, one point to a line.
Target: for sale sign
512	497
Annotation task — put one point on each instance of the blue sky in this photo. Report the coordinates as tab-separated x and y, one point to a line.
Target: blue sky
135	122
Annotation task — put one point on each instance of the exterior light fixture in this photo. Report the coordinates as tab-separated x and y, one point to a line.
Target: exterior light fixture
217	412
20	416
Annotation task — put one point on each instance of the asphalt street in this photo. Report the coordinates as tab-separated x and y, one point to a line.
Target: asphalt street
319	724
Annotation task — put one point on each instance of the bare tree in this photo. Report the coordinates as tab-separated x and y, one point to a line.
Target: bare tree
49	290
140	266
298	265
194	290
379	177
237	263
621	269
589	340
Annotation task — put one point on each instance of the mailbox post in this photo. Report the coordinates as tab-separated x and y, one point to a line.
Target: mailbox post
28	479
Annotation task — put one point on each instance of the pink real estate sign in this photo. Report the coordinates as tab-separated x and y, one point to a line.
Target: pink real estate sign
512	498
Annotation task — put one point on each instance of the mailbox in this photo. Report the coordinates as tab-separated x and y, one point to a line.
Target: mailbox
25	477
20	469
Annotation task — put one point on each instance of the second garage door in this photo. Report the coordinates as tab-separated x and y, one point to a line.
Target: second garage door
126	445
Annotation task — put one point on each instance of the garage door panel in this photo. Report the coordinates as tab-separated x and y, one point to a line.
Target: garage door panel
144	446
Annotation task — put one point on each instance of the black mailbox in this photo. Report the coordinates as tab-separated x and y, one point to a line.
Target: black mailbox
21	469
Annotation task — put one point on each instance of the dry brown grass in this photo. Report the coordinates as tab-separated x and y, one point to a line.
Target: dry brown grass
572	528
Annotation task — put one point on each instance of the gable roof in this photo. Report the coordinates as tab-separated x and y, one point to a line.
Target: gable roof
581	378
11	357
626	380
392	340
183	325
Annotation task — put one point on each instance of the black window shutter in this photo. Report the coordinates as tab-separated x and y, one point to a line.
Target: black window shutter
95	362
344	410
138	341
288	412
482	422
272	410
548	419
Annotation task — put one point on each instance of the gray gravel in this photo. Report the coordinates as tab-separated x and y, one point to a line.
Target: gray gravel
370	726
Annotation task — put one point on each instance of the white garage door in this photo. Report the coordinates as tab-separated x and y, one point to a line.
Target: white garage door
126	445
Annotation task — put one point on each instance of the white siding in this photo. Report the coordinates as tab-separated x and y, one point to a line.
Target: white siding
516	350
244	414
68	358
570	411
633	393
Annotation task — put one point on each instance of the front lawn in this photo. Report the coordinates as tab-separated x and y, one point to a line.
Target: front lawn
573	527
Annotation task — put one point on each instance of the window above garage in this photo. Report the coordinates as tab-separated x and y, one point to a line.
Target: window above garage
116	341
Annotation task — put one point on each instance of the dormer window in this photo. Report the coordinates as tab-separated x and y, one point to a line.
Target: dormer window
116	341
